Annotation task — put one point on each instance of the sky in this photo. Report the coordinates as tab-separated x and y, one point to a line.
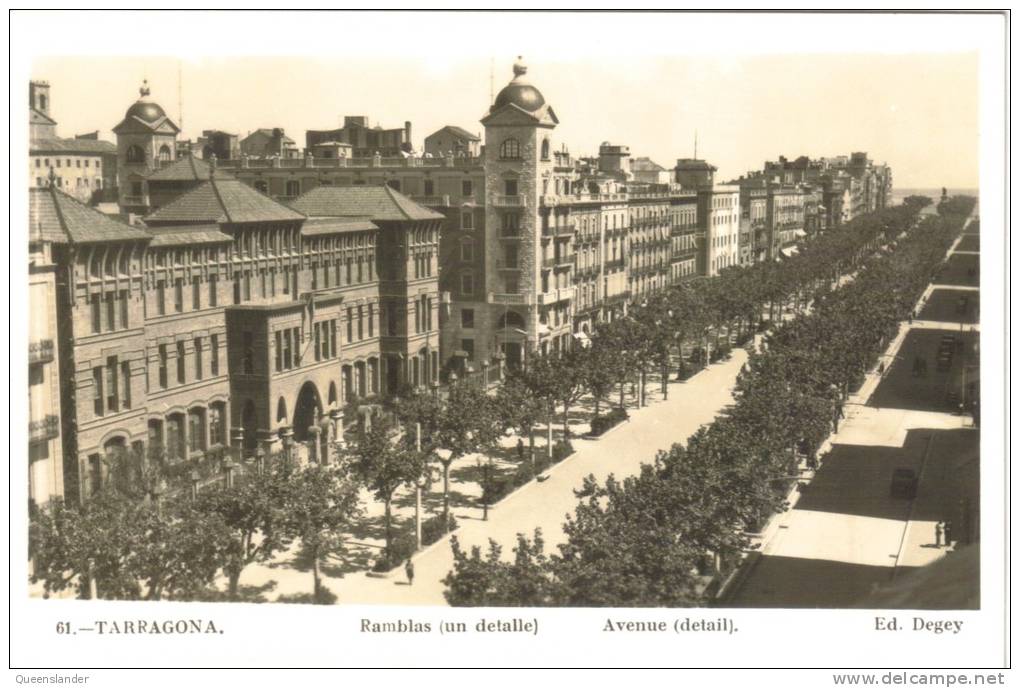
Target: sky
916	110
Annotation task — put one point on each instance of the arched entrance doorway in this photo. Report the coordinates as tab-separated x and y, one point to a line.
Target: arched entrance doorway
307	411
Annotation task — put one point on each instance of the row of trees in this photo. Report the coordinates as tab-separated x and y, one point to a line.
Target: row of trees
655	538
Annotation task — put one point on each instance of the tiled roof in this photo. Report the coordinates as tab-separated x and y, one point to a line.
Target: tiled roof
269	133
458	131
188	234
71	146
223	201
317	226
61	218
187	169
373	202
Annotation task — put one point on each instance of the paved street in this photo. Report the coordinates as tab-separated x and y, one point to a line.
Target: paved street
538	504
847	535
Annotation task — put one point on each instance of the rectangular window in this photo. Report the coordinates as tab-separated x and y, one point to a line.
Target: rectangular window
315	276
332	338
287	356
391	320
350	325
467	284
286	280
178	295
97	313
429	186
163	366
510	187
98	401
123	298
278	348
180	363
125	382
111	310
371	320
467	220
198	358
297	346
112	389
318	341
213	287
467	318
196	294
468	346
467	250
466	188
361	323
214	354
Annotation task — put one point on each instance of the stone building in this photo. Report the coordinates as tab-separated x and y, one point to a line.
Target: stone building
269	143
83	166
146	140
228	319
45	455
451	140
365	141
719	207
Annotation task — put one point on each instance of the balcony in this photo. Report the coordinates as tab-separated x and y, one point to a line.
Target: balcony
500	201
509	299
555	296
44	430
40	351
558	231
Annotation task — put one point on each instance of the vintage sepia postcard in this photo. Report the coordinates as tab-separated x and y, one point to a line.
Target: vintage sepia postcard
582	335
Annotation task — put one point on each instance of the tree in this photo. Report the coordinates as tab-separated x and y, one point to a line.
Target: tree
464	423
383	464
599	370
527	581
519	409
88	546
567	381
256	513
321	503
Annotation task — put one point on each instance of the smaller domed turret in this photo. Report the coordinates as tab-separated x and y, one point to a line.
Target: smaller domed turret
144	109
519	91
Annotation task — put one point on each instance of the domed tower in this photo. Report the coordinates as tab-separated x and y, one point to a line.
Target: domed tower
524	296
146	139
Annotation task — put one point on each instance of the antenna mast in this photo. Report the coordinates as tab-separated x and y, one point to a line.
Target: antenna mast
180	99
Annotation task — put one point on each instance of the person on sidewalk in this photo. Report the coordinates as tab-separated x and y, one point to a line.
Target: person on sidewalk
520	449
947	528
409	570
938	535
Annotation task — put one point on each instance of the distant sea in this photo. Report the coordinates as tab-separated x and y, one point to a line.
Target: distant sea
899	194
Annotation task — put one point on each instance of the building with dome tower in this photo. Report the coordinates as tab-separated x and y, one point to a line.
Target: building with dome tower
146	139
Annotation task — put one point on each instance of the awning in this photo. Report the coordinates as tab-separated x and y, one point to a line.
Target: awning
799	233
583	338
790	251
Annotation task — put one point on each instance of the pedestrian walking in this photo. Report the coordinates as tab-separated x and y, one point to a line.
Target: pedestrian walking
938	534
947	528
409	570
520	449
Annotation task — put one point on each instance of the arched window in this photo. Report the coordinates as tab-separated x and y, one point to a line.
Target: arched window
545	149
511	320
164	154
510	149
281	411
135	154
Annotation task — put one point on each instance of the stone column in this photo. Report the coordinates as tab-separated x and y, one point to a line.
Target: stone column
336	417
313	443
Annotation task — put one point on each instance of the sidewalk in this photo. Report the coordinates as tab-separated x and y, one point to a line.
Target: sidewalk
539	504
